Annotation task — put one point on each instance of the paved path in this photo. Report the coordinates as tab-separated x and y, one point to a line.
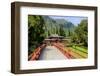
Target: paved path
51	53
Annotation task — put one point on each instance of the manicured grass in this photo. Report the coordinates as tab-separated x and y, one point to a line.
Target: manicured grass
81	48
80	52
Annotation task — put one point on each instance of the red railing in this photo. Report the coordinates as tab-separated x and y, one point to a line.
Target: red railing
65	52
35	55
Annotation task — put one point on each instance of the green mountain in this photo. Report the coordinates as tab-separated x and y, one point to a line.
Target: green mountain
55	26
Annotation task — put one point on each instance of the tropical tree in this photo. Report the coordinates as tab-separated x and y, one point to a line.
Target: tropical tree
61	31
80	34
35	31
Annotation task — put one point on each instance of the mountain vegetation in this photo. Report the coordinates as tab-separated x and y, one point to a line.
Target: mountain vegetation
41	27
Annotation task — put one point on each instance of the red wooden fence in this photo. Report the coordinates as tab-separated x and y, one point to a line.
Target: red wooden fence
35	55
61	48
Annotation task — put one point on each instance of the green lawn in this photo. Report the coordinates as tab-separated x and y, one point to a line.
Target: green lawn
80	50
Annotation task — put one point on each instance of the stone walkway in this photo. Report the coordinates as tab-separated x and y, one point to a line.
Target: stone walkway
51	53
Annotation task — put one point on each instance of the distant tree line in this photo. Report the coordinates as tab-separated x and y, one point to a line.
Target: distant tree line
57	26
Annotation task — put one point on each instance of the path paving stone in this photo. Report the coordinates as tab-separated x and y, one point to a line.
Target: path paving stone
51	53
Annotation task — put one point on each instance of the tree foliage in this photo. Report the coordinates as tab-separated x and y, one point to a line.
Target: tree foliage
57	26
41	27
80	34
62	31
35	31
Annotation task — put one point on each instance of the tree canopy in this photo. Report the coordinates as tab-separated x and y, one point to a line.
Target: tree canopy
35	31
80	34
